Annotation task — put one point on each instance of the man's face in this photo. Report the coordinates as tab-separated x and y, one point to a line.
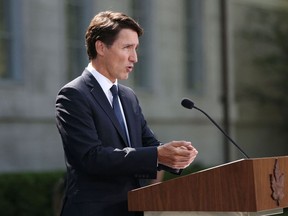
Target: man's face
120	57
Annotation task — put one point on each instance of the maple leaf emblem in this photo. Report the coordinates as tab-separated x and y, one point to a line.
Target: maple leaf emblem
277	183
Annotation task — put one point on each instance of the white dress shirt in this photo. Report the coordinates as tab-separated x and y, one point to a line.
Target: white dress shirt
106	84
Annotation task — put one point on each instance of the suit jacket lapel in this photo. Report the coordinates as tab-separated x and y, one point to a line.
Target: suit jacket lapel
102	100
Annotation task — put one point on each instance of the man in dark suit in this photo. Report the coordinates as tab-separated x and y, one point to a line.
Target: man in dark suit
108	146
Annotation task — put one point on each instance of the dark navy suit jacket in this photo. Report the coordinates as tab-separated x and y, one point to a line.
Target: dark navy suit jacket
101	169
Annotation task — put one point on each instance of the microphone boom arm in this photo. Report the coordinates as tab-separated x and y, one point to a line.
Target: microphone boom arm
222	131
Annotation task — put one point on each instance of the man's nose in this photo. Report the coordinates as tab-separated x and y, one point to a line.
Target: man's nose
133	56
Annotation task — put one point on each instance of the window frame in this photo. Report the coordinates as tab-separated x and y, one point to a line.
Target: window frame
14	36
194	73
143	71
76	46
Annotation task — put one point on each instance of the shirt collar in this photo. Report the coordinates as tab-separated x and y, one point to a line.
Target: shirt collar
104	82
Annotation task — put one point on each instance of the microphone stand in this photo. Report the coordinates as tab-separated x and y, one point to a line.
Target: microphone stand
222	131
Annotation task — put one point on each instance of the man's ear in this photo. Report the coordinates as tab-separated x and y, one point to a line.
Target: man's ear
100	47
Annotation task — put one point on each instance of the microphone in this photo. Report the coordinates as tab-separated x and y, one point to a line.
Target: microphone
188	104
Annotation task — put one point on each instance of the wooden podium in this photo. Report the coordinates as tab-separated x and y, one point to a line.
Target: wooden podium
250	186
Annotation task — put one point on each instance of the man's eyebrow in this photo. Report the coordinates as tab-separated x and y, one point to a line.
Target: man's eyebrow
130	44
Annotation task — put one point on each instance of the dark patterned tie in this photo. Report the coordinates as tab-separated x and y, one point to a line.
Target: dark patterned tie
117	110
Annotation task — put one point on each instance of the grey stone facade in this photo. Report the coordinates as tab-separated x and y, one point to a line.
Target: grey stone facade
28	136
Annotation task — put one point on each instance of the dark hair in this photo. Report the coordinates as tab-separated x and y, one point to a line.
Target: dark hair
105	27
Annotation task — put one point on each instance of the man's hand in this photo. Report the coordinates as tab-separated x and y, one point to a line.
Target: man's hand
176	154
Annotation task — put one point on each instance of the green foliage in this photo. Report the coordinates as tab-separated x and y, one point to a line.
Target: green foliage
37	194
29	194
285	212
267	32
194	167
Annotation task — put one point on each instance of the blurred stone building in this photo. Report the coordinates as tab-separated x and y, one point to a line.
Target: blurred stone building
190	48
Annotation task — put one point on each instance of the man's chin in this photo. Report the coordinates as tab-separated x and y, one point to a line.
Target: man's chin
124	77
